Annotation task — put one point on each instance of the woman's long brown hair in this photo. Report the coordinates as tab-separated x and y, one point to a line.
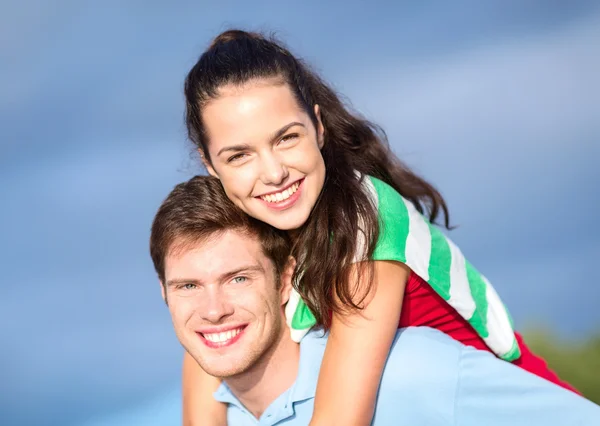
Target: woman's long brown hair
325	246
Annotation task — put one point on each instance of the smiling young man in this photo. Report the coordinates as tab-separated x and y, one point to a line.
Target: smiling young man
227	278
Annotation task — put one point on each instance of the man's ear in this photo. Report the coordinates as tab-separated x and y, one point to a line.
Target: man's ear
209	167
320	128
286	280
163	292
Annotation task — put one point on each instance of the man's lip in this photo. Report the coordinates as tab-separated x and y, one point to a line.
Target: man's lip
280	190
222	344
222	329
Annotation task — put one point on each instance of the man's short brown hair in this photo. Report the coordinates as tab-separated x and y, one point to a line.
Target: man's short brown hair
199	209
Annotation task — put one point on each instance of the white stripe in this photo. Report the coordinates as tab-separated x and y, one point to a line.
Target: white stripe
361	241
371	191
290	309
291	305
418	242
297	335
461	298
500	333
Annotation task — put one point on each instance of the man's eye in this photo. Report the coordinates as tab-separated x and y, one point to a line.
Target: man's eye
239	280
189	286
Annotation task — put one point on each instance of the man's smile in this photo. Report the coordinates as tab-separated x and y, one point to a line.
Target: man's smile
222	336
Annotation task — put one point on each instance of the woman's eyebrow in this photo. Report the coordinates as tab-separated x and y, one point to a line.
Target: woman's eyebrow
279	133
276	135
235	148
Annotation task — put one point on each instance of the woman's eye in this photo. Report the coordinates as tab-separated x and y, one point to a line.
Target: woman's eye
235	157
239	280
290	137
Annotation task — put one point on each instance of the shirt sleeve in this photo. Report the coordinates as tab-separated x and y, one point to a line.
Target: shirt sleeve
431	379
493	392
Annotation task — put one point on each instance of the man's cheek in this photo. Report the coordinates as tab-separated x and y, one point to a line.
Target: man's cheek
180	319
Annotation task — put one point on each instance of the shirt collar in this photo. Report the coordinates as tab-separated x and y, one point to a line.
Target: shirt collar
312	349
224	394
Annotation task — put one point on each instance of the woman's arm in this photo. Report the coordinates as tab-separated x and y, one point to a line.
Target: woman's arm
199	406
357	349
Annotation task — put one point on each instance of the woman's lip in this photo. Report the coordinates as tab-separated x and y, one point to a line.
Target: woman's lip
287	203
280	190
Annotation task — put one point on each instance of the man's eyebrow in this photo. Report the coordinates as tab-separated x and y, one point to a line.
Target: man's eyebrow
241	270
276	135
179	281
224	276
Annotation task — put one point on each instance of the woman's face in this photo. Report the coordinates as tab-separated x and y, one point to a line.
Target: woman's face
266	151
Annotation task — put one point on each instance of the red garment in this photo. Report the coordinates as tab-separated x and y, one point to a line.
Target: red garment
422	306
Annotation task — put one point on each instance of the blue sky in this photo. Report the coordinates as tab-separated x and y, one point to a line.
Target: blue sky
495	102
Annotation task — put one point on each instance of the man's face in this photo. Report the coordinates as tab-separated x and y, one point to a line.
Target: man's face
225	303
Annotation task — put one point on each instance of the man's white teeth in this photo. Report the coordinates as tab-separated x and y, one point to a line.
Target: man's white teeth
222	337
280	196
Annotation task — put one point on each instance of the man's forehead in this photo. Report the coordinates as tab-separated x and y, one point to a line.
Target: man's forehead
213	255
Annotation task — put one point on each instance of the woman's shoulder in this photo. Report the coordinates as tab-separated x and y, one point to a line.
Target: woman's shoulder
405	235
385	197
393	210
394	214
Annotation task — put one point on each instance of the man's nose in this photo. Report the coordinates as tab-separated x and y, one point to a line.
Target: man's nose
274	171
216	307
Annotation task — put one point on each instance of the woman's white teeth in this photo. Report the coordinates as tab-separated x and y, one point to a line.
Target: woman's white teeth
222	337
280	196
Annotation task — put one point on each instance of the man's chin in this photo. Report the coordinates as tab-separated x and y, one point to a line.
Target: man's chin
222	363
224	370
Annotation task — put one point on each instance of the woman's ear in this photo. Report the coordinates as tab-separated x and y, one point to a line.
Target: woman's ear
320	128
209	167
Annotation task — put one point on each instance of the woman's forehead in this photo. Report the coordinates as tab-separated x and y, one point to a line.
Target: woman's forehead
258	111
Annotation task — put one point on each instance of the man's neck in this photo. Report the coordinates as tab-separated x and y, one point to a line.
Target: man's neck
271	376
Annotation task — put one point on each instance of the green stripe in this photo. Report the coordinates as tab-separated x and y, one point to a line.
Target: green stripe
510	318
303	317
478	290
439	263
514	352
393	223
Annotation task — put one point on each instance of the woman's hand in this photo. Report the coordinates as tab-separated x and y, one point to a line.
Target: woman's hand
199	406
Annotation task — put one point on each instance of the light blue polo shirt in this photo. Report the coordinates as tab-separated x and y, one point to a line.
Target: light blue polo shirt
431	379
